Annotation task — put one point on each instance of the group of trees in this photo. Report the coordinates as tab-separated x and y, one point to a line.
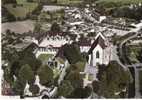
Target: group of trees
135	13
55	27
73	81
8	1
21	65
112	79
120	8
24	66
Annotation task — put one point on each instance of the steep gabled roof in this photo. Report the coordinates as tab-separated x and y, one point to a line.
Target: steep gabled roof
99	41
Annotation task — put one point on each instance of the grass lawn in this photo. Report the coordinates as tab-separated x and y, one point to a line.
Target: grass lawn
117	3
21	1
140	78
21	11
44	57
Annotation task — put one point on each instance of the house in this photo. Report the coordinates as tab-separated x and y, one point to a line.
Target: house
99	53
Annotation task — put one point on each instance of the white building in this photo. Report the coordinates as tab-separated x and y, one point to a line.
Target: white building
100	51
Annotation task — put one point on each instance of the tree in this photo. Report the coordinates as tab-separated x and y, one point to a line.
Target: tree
26	74
96	86
72	53
15	67
75	78
27	57
46	75
81	92
65	89
55	27
18	87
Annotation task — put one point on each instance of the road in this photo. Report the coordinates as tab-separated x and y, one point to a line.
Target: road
137	88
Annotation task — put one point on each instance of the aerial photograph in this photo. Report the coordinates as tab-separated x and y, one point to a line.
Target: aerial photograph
71	49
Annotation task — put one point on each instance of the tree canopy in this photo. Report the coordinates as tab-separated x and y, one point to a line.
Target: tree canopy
112	78
46	75
26	74
65	89
55	27
72	53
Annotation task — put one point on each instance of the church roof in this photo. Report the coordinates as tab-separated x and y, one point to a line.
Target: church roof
99	41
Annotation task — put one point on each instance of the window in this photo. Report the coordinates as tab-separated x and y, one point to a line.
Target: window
97	54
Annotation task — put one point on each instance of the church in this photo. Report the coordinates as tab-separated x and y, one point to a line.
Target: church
100	51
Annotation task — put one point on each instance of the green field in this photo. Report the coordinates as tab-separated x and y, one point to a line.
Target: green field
21	1
68	2
117	3
44	57
21	10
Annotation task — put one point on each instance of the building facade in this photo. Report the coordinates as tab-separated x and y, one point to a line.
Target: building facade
99	53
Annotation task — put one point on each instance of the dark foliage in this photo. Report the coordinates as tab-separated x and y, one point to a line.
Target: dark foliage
72	53
81	92
135	13
96	86
112	78
46	75
7	16
55	27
